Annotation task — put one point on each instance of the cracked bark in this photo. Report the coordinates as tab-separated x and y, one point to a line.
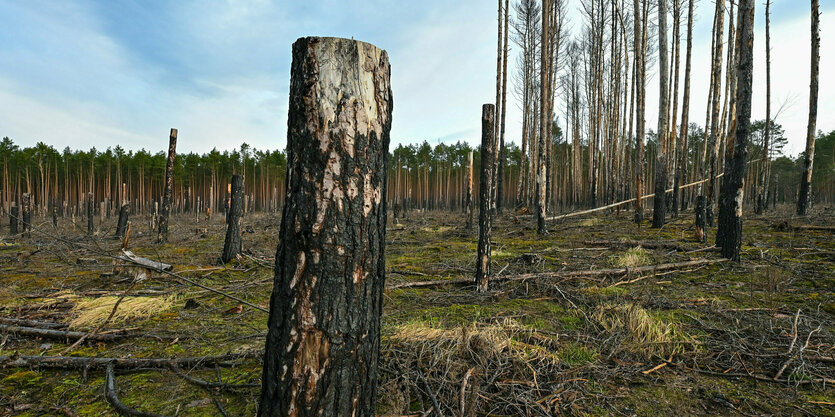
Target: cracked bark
122	224
162	236
324	327
488	149
232	244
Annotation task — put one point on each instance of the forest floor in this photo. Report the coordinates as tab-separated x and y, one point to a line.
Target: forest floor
703	339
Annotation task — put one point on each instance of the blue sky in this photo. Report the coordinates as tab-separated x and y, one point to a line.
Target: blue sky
85	73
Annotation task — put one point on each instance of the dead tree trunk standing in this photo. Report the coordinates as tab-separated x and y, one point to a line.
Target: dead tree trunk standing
500	180
716	81
54	215
733	183
122	223
27	214
90	225
468	202
659	201
640	79
488	148
496	127
14	219
541	168
681	167
805	195
324	327
232	244
762	189
162	236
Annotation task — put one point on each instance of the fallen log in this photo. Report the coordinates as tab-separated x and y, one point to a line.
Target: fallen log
58	334
147	263
32	323
642	243
562	274
71	362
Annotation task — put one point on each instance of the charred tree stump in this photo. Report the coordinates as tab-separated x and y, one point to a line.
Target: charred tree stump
324	328
232	244
90	225
54	214
122	223
27	214
701	220
162	236
729	236
488	148
468	200
14	219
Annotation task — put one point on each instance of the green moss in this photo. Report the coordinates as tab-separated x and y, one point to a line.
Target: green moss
575	354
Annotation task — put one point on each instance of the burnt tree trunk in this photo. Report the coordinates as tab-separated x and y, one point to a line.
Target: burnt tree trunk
162	236
232	244
324	327
733	183
27	214
14	219
122	223
683	160
660	200
805	195
468	202
701	221
544	121
488	148
762	188
90	225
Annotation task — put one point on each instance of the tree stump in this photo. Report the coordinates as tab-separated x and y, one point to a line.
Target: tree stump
485	185
162	236
27	214
14	219
324	327
122	223
232	244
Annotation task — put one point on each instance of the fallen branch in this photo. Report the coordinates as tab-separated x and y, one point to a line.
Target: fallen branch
113	399
71	362
59	334
128	256
642	243
557	275
32	323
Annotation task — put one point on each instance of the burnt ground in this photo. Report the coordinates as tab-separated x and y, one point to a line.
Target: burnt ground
695	340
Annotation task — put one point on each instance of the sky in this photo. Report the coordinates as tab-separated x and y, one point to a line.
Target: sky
92	73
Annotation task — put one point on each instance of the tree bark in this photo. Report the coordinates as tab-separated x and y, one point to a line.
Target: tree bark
232	244
716	81
805	195
660	200
14	219
90	204
323	335
162	236
541	169
488	148
681	167
501	169
733	183
122	223
762	189
27	214
640	79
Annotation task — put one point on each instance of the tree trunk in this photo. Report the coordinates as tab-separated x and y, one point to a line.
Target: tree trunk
27	214
541	168
502	169
162	236
762	189
701	222
805	194
232	244
733	183
659	201
90	204
323	335
488	148
14	219
640	65
681	167
122	223
468	201
716	81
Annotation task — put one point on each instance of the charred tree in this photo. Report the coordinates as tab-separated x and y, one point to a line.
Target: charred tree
324	328
162	236
805	195
544	121
488	149
716	80
733	183
90	205
500	179
14	219
27	214
681	166
762	189
232	244
660	200
640	88
122	223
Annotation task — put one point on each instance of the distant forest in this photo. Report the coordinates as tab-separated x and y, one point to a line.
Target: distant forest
421	176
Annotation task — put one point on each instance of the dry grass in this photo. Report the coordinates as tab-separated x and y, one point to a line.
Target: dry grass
641	332
93	312
592	221
633	257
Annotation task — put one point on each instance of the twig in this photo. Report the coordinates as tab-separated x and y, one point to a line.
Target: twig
113	399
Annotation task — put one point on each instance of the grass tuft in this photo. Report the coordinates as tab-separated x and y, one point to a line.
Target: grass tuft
633	257
642	332
93	312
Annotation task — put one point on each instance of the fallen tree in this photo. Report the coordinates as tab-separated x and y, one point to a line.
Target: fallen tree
70	362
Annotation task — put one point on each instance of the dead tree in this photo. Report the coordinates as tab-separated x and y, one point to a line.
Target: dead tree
488	148
468	201
805	195
90	225
500	180
162	236
324	328
122	224
733	183
660	199
544	121
762	189
716	80
27	214
681	166
640	96
232	244
14	219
